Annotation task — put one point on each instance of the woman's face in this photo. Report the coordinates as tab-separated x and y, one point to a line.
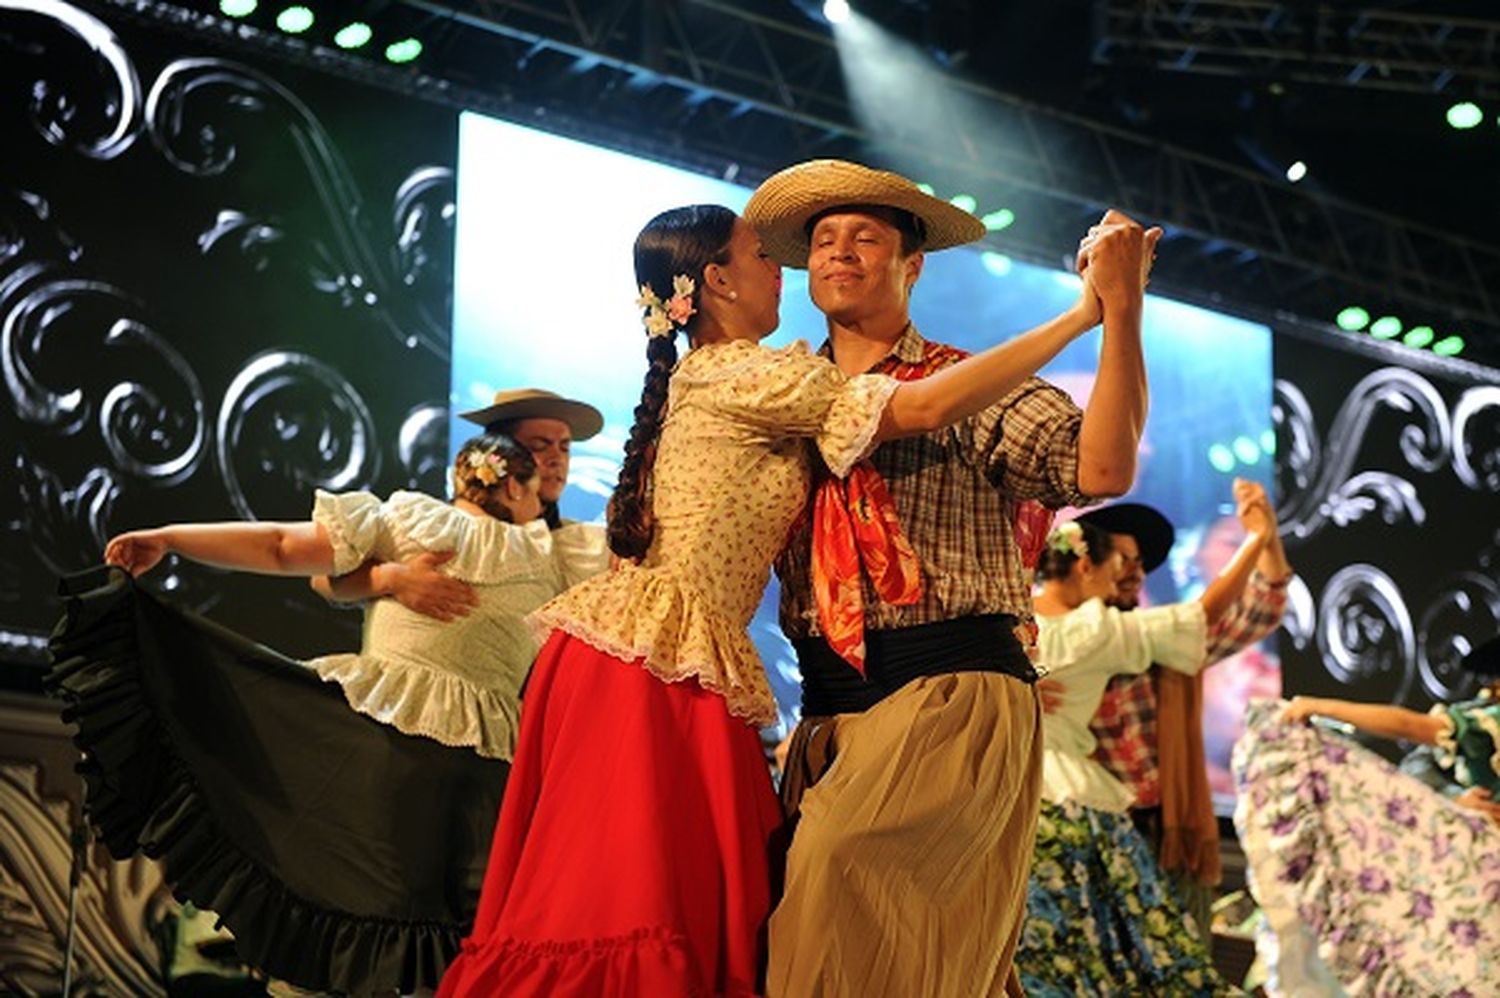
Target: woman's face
755	279
523	500
1098	581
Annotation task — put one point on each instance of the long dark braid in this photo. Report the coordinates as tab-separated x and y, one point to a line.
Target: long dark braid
676	242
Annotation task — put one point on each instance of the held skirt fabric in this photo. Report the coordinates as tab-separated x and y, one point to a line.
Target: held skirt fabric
343	855
1370	880
907	870
1102	918
634	854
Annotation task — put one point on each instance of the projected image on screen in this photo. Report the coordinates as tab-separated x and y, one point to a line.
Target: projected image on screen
544	297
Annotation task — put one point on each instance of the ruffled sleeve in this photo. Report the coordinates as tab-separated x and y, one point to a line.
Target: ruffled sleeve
352	522
1470	741
792	392
582	552
1094	635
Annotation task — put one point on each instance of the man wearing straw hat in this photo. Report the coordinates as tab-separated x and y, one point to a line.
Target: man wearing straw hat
543	422
907	600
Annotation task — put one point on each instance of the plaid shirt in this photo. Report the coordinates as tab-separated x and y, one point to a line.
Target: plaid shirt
956	493
1125	723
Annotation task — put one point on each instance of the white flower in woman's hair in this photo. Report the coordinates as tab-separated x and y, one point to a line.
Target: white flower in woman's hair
1067	538
663	318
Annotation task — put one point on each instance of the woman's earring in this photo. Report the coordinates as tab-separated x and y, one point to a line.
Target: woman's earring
734	296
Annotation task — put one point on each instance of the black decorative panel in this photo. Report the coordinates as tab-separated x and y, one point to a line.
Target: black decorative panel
221	286
1389	491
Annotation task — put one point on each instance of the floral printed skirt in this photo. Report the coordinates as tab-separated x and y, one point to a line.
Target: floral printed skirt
1370	881
1101	918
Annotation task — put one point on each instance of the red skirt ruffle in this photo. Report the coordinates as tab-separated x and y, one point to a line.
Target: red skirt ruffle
634	850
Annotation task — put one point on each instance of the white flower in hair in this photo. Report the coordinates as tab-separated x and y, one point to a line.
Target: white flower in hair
663	318
1067	538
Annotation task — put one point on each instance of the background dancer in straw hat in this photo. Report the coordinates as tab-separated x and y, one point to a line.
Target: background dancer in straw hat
907	871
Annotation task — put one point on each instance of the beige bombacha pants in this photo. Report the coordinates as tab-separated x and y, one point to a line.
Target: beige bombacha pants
908	867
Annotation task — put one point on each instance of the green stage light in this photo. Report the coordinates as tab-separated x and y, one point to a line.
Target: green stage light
1419	337
1268	441
1386	327
996	263
997	220
964	202
352	36
1221	457
405	50
237	8
295	20
927	189
1449	346
1246	450
1353	319
1465	115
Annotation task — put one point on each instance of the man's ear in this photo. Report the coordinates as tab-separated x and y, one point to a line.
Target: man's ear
914	269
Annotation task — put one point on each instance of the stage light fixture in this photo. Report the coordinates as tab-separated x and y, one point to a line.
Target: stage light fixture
352	36
1296	171
1386	327
1353	319
1419	336
836	11
237	8
1449	346
1246	450
295	20
1221	457
964	202
997	220
405	50
1464	115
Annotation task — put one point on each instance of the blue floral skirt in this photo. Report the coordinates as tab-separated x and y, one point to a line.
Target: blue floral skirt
1371	882
1101	918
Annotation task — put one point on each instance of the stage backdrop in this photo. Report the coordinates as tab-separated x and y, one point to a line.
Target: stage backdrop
544	296
221	285
1388	481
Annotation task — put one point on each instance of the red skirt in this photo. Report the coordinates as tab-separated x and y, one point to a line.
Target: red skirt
634	850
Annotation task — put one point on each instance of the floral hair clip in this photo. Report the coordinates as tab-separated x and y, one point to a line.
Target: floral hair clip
664	318
487	465
1067	538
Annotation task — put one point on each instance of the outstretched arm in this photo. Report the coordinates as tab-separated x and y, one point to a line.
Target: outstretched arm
263	548
1384	719
960	391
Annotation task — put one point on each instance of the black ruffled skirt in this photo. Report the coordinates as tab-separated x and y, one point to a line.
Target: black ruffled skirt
343	855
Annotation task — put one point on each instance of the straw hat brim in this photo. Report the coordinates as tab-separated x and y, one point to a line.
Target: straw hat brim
1152	531
584	421
781	207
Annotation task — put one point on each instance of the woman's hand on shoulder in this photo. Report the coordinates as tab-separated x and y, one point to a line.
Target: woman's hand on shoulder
137	551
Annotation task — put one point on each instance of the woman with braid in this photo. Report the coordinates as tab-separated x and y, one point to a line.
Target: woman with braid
634	849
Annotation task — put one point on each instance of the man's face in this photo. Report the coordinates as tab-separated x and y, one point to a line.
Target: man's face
550	442
855	268
1132	574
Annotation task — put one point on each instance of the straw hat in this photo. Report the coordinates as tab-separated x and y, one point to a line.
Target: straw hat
781	207
533	403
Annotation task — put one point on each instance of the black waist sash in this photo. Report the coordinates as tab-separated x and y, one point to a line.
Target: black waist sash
894	658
